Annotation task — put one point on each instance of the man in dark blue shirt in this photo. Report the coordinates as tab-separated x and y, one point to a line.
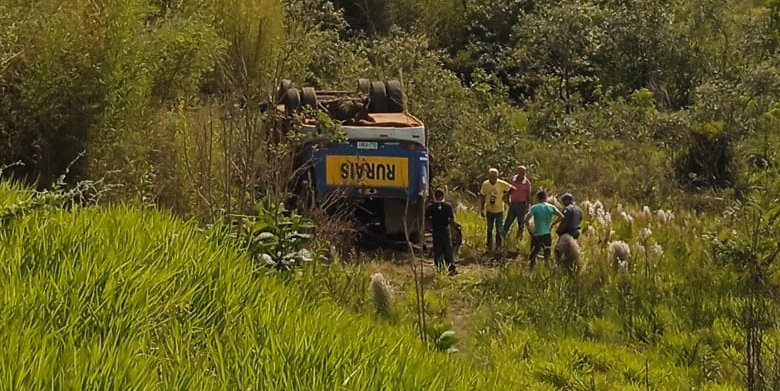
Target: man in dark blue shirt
440	216
572	215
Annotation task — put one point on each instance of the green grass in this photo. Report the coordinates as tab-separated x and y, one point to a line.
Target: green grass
118	298
127	298
670	321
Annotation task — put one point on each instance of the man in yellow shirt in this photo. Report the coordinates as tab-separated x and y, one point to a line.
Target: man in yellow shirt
494	192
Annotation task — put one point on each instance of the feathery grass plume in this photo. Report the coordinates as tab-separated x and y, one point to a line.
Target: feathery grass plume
568	254
620	253
639	249
627	217
602	217
461	207
645	234
597	206
656	250
586	206
382	295
646	212
619	208
601	220
664	217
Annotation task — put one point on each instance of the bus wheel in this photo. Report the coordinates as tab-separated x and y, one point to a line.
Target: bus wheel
309	97
378	100
364	87
395	97
292	100
281	93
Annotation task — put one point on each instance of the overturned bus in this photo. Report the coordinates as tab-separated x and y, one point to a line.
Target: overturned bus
379	163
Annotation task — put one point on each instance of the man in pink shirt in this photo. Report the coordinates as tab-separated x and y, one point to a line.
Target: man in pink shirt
518	201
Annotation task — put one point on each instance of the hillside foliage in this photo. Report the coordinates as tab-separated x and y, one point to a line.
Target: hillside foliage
156	94
144	242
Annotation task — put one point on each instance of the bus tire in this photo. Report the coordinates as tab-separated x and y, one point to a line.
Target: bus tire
395	97
364	87
309	97
292	100
281	93
378	99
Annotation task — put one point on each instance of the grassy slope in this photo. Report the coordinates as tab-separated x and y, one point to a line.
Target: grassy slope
108	298
112	298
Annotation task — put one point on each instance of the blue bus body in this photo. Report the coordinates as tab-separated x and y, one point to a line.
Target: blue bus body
388	180
375	169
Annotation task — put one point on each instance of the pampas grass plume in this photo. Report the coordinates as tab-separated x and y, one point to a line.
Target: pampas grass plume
665	216
620	252
382	295
656	250
587	206
645	234
567	253
639	249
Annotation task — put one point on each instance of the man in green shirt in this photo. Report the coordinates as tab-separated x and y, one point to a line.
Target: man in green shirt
541	213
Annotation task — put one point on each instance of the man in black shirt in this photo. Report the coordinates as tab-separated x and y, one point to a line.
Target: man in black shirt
570	224
440	215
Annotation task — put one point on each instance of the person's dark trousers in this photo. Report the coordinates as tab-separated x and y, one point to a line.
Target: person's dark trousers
497	220
517	211
442	249
540	243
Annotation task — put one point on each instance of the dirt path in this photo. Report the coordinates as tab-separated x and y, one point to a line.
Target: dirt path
453	292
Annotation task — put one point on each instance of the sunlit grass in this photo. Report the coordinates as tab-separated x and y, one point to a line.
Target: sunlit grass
120	298
116	298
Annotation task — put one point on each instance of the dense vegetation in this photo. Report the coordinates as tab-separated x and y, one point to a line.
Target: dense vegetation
154	93
129	116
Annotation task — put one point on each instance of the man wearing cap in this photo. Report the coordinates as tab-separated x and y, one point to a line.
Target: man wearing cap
572	215
494	191
518	201
440	216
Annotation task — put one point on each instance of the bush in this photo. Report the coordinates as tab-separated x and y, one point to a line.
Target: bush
708	158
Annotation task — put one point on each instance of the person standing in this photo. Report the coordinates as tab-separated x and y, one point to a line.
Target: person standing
572	215
518	201
440	216
541	213
494	192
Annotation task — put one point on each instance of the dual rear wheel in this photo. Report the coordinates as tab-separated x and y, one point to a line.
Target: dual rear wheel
384	97
381	97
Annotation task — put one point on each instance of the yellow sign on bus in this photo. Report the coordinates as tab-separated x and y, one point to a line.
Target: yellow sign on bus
373	171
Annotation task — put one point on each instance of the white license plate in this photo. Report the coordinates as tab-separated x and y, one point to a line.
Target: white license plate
367	145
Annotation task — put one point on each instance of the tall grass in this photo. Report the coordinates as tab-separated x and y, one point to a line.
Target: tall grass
668	319
120	298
